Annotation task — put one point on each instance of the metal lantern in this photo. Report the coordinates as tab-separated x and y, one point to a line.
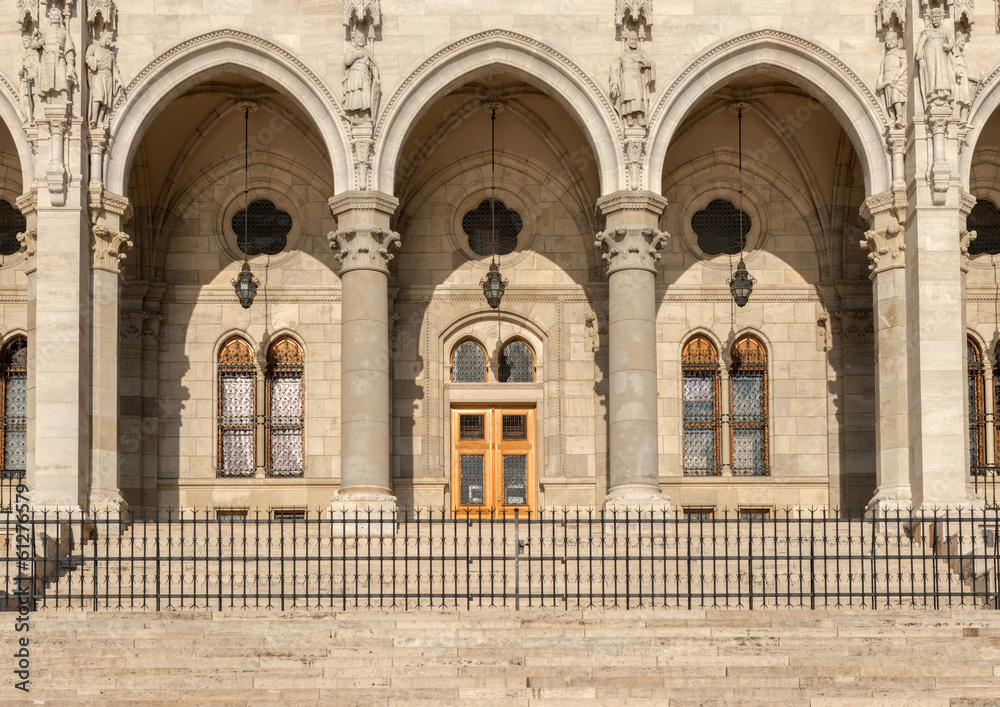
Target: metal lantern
246	286
494	285
741	284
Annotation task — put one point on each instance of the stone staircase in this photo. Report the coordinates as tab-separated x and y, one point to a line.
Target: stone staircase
491	657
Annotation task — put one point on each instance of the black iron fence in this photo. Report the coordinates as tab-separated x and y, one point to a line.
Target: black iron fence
984	478
566	559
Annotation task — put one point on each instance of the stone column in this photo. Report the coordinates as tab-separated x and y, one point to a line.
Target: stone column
885	243
631	242
109	245
363	242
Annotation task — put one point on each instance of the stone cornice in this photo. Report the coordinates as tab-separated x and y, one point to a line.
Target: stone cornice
644	201
366	200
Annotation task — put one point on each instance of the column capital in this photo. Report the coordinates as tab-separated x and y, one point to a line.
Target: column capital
108	247
643	206
631	247
885	242
27	204
364	248
966	202
375	202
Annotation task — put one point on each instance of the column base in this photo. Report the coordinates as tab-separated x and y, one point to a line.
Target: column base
365	514
891	507
107	504
634	511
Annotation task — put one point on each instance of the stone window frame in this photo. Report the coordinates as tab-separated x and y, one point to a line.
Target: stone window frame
5	371
757	238
261	373
283	199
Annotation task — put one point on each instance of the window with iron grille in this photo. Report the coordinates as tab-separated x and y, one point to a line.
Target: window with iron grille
261	228
468	363
285	418
478	226
237	409
517	363
721	228
977	406
12	222
984	219
14	398
748	401
702	422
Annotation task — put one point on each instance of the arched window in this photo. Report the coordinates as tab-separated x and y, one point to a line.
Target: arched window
14	397
468	363
237	410
702	424
977	406
748	400
517	363
285	408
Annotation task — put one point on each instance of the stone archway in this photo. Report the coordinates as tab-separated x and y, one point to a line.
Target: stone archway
518	55
214	54
792	59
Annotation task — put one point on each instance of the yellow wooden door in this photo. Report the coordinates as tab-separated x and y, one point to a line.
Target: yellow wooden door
493	461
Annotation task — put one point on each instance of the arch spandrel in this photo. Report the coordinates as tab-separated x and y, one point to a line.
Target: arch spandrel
10	114
517	55
200	59
795	60
985	103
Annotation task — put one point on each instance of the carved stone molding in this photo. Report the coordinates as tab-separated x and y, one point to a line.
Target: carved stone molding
532	45
646	202
130	331
631	248
361	147
109	248
597	328
368	200
885	242
853	326
886	249
783	37
360	248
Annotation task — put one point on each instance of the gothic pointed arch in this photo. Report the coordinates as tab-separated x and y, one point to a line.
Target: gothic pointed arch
518	55
985	103
12	118
214	54
800	62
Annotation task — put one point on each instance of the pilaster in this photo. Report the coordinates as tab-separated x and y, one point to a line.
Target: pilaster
630	243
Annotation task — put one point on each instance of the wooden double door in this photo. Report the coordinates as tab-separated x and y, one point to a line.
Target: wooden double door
493	461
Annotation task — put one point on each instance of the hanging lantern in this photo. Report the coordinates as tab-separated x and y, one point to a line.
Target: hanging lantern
741	284
246	286
494	286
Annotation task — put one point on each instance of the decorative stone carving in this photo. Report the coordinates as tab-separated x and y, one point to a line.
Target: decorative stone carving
27	13
130	332
109	248
597	327
363	13
152	331
635	150
963	11
57	75
29	241
364	248
935	60
104	79
631	248
102	13
886	249
633	13
361	82
854	326
361	143
889	10
938	118
30	68
963	96
892	80
633	76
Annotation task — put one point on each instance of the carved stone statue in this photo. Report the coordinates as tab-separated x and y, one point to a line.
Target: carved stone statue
962	89
892	80
934	57
632	76
56	73
105	81
29	79
361	83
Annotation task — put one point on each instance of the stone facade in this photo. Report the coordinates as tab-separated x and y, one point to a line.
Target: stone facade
124	149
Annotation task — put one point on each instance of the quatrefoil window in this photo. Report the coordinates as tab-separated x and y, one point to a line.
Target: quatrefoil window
478	223
718	228
262	228
985	221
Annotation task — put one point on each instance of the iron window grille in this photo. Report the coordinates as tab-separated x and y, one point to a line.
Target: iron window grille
13	418
468	363
517	363
717	227
478	226
977	406
284	421
702	421
748	399
262	228
984	219
237	450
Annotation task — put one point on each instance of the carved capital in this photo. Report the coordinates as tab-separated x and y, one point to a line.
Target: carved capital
109	248
966	238
130	332
886	249
631	248
367	248
597	327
